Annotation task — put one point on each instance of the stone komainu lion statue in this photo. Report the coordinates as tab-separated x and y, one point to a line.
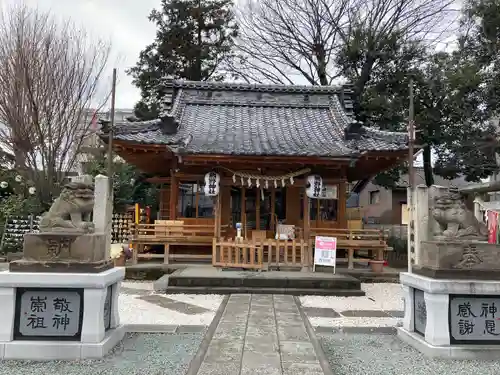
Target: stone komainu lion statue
71	211
455	220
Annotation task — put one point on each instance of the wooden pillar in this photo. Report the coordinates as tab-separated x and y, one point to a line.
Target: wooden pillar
273	212
307	226
293	205
217	229
174	190
243	211
342	200
257	209
197	200
225	209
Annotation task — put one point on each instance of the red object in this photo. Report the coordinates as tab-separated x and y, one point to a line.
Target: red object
492	226
385	263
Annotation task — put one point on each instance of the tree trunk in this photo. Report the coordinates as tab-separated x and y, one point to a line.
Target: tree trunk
429	177
360	84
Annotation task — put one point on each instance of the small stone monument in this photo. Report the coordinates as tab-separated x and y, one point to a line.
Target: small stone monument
453	290
60	300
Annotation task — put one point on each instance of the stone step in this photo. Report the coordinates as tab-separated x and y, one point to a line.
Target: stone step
191	277
259	290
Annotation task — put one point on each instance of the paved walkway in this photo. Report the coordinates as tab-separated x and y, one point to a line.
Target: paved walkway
261	335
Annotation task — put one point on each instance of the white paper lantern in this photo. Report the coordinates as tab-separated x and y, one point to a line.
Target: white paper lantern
314	186
32	190
212	181
19	178
4	184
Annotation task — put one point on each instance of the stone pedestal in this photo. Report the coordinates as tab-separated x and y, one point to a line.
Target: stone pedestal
459	260
63	252
451	318
59	316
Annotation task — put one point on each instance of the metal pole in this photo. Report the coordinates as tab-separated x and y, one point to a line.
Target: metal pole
110	133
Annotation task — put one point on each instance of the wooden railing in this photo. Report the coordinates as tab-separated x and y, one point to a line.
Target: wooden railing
283	253
171	232
257	254
174	231
351	240
230	253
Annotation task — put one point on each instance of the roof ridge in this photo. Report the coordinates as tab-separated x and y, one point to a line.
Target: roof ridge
254	103
241	86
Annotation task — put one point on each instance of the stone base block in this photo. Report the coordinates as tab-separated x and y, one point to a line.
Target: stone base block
56	350
65	247
477	352
451	318
464	274
59	315
24	265
471	258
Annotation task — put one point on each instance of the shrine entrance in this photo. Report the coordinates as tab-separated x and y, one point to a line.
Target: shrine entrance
258	209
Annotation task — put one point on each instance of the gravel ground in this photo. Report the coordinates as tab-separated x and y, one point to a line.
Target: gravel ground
137	311
376	354
354	322
379	297
138	354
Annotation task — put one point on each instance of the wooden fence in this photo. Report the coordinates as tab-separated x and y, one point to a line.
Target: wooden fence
231	253
258	254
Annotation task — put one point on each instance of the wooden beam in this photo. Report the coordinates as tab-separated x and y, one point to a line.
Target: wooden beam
257	160
228	181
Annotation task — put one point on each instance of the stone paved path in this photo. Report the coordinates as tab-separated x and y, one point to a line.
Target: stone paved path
261	335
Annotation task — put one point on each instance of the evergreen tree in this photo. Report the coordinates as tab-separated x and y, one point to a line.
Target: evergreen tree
194	41
480	41
450	112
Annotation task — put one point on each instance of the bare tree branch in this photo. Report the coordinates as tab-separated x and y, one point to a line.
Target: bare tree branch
49	75
283	40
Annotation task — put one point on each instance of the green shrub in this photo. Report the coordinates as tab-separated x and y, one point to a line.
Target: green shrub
400	245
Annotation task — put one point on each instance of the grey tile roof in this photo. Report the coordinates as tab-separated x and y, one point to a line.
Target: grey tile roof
241	119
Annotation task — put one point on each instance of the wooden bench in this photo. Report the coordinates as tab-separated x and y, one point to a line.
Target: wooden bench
171	232
373	241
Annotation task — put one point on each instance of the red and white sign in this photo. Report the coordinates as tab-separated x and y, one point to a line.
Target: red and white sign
325	252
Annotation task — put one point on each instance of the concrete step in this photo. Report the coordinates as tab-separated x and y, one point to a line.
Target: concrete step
263	290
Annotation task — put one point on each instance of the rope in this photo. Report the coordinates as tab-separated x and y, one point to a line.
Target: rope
268	178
